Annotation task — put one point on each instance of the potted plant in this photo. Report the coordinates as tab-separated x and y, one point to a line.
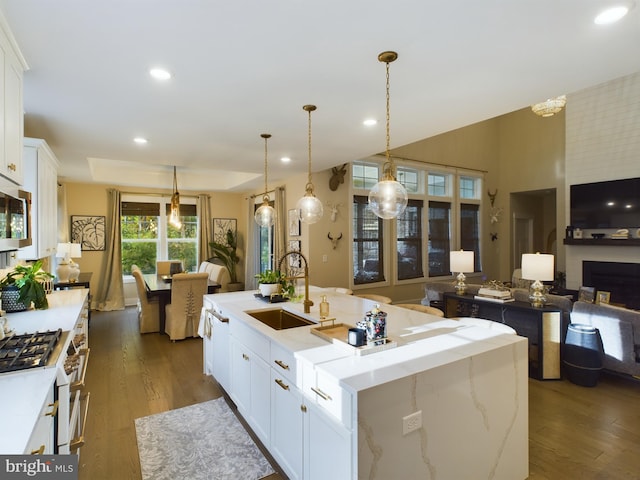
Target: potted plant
269	282
28	281
227	253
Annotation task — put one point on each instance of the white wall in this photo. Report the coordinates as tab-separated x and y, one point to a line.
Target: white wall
602	143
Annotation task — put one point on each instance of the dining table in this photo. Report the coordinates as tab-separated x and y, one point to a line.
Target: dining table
159	286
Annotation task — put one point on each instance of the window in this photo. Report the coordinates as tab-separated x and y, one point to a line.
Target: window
147	236
265	241
367	243
442	214
409	243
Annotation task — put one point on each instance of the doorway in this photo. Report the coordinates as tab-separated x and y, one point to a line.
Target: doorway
533	226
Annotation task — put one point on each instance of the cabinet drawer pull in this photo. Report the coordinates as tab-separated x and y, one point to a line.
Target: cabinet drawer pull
281	364
54	410
245	356
12	167
303	408
39	451
321	394
283	385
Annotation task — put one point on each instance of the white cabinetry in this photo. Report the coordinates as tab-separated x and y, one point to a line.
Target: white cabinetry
327	447
42	439
287	425
250	378
12	66
41	177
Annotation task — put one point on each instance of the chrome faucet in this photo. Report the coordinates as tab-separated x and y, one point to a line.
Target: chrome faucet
307	302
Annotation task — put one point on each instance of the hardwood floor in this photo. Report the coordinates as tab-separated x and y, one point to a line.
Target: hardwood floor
574	432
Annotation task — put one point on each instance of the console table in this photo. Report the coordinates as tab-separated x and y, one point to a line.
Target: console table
542	326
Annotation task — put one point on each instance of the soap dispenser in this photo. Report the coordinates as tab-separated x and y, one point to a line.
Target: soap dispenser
324	307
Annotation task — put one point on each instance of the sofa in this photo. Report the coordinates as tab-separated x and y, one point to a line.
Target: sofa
620	332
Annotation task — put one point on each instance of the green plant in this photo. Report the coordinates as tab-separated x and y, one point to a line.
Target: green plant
269	276
227	253
29	281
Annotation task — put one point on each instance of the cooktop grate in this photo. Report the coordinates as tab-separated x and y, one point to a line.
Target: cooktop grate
19	352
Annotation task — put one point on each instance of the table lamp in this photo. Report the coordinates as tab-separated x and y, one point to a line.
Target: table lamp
68	270
461	261
537	267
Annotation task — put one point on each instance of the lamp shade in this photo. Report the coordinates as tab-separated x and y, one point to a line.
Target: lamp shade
537	266
68	250
461	261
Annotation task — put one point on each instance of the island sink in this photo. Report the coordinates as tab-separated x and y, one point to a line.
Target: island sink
279	319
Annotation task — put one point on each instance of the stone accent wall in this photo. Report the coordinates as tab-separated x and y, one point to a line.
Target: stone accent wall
602	143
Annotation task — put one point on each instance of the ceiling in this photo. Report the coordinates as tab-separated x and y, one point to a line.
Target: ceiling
244	67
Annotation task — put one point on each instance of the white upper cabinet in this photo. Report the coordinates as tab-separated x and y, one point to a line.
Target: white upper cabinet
12	67
41	179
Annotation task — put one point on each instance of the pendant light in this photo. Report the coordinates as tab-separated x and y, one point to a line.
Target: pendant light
388	198
174	211
309	207
265	215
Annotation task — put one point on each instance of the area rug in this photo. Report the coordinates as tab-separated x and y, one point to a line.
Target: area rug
202	441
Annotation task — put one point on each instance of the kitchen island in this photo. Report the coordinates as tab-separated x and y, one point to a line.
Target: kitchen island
449	401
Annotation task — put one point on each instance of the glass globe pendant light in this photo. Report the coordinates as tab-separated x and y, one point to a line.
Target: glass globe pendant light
265	215
388	198
309	207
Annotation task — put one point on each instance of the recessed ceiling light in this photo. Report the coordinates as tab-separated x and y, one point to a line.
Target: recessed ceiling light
285	159
370	122
140	140
160	74
611	15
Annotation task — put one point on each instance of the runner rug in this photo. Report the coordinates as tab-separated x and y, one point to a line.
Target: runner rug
202	441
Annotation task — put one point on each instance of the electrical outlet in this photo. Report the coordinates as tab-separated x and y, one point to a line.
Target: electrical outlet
325	258
411	422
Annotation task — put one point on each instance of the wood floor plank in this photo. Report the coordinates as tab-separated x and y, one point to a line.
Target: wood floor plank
574	432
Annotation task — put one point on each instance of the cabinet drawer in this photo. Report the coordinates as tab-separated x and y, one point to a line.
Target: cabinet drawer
256	342
327	393
284	363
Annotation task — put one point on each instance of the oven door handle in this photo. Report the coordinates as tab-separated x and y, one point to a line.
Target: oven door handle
79	384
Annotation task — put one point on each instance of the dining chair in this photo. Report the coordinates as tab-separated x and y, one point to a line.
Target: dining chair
219	274
183	313
148	310
375	298
421	308
169	267
346	291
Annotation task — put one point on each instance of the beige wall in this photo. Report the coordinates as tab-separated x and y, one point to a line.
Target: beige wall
91	199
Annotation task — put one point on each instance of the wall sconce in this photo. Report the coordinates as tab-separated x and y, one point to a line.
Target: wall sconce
537	267
461	261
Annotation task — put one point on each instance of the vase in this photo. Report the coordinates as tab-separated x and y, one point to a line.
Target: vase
10	303
268	289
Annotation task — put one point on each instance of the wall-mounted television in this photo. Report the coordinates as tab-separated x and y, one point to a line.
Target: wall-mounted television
610	204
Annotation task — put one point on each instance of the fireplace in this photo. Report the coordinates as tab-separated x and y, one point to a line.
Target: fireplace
620	278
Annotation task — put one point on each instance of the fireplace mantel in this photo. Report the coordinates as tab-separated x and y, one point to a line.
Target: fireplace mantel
612	242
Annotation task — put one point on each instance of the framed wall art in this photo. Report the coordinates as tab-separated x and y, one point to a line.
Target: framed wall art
294	260
587	294
220	228
88	231
294	223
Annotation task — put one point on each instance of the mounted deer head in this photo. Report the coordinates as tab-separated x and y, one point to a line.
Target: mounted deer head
337	177
334	241
334	210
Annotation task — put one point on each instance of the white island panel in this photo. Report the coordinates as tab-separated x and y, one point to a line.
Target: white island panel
474	421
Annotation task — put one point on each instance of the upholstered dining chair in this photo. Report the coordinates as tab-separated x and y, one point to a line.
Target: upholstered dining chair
421	308
375	298
148	310
183	313
168	267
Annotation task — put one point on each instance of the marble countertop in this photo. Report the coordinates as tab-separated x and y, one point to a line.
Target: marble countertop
424	341
24	392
